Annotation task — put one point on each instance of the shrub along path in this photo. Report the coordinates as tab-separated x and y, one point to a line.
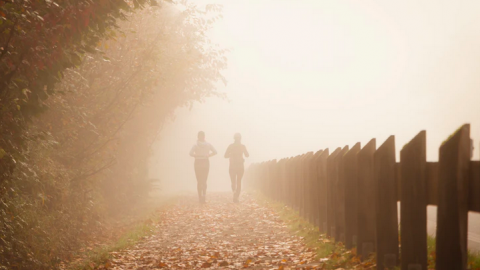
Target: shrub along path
218	235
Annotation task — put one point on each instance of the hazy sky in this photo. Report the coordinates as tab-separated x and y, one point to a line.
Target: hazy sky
309	75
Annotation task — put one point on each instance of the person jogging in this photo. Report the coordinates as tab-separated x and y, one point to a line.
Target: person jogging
235	152
201	151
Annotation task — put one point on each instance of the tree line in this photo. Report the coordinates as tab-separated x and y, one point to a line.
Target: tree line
85	88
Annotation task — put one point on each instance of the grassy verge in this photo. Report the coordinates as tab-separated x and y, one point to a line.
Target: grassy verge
473	256
332	255
474	259
336	254
135	232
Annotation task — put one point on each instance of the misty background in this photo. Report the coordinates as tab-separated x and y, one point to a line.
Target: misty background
309	75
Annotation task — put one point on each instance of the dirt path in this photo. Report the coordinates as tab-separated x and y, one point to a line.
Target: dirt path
217	235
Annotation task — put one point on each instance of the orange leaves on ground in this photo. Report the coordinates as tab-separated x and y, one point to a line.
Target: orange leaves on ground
223	235
218	235
206	265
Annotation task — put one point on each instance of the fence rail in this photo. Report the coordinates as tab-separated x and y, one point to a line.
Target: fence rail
352	194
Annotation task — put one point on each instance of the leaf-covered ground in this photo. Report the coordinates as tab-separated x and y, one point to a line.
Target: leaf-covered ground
256	234
218	235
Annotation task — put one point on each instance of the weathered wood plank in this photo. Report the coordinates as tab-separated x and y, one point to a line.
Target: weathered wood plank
290	181
281	179
340	197
331	178
452	213
305	184
277	181
300	191
474	196
351	196
286	189
366	203
322	190
264	176
293	182
314	190
301	194
386	205
273	178
298	183
413	211
285	181
267	177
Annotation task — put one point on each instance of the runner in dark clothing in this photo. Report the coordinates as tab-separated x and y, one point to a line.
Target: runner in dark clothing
201	151
235	153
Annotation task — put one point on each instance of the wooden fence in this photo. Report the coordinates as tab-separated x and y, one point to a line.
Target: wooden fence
352	194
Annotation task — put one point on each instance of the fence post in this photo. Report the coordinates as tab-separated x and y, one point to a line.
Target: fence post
305	184
278	181
312	174
331	176
340	197
256	176
281	177
452	213
322	190
274	180
260	176
302	194
293	182
308	188
285	181
474	188
366	202
314	189
413	210
296	183
266	178
351	196
386	202
302	184
289	191
269	178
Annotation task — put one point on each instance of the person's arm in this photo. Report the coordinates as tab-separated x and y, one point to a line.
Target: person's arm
213	151
245	151
192	151
228	152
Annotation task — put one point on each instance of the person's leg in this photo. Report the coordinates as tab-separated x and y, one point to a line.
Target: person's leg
233	178
198	175
207	169
202	189
238	188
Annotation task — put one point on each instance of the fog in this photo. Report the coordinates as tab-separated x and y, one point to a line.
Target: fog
309	75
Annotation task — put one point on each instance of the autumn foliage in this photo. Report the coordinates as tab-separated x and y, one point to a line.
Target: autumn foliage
85	87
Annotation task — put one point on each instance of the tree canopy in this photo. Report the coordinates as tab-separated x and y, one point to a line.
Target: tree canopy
85	88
